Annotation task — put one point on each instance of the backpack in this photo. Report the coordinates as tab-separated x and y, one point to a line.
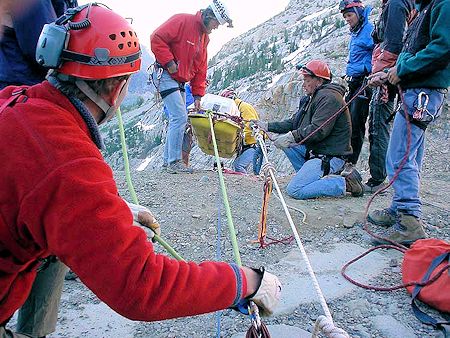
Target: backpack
428	261
425	275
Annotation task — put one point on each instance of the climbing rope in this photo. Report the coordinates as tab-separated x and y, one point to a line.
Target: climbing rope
394	245
323	303
157	238
257	327
324	325
262	226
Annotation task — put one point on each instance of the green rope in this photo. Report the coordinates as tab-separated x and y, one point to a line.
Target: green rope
231	228
157	238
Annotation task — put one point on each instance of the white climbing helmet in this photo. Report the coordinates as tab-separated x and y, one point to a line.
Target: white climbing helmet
221	13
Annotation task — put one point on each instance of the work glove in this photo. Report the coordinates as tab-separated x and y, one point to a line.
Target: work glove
143	217
266	297
268	294
285	140
261	124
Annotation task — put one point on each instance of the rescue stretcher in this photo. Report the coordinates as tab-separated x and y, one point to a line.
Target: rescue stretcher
227	123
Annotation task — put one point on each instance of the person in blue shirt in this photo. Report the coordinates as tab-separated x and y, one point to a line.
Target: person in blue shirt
18	43
359	66
187	137
21	29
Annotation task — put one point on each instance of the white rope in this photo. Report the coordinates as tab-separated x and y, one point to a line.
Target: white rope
316	285
324	325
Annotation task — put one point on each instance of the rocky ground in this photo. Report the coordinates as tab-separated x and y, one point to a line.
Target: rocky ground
187	208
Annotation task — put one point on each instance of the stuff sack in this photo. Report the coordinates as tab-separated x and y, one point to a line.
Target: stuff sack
422	262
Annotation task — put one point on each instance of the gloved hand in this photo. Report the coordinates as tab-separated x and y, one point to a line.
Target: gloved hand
261	124
285	140
268	294
143	217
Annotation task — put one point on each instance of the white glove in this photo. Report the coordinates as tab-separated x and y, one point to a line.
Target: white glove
143	217
285	140
268	294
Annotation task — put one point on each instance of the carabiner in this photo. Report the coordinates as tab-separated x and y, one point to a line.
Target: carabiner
420	105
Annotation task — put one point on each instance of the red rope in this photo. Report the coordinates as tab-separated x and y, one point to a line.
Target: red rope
394	245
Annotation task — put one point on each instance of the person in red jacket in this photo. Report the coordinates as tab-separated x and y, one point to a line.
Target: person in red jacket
179	45
58	195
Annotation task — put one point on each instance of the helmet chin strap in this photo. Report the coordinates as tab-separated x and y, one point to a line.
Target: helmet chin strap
108	110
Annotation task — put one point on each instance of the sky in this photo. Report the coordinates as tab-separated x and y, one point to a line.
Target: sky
149	14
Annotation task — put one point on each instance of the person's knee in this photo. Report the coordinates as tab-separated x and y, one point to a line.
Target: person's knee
294	191
179	120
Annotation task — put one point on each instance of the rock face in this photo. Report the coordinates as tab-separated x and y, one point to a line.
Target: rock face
260	65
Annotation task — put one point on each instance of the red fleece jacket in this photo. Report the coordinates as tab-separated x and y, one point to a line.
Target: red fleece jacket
183	39
58	197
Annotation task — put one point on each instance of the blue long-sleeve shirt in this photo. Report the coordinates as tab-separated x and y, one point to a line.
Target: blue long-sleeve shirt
18	44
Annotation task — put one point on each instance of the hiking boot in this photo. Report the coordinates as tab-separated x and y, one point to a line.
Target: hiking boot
372	186
353	183
405	231
178	167
70	275
384	217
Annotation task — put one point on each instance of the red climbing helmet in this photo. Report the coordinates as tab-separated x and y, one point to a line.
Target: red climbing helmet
229	93
316	68
103	45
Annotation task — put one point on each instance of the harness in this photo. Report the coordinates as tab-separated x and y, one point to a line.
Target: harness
325	166
18	95
159	69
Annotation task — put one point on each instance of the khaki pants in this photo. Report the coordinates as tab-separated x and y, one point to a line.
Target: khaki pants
38	315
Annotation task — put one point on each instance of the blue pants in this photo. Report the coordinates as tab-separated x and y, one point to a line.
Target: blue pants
176	111
308	182
243	161
407	185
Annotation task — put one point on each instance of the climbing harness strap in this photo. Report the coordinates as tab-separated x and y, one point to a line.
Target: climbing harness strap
18	95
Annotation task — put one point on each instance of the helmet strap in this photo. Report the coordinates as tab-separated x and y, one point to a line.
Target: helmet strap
107	109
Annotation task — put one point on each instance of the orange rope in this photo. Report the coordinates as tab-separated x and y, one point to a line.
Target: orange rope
262	226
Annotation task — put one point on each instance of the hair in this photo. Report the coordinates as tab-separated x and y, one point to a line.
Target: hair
207	15
68	87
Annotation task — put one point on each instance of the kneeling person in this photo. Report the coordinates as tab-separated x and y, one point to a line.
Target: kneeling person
247	111
322	149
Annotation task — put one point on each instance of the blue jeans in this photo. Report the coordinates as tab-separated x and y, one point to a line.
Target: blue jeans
243	161
406	187
176	111
258	159
308	182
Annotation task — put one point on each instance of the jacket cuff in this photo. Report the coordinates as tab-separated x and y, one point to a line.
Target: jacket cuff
297	136
170	63
241	284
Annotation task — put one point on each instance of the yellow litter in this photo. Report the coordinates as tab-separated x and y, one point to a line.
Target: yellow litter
228	132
